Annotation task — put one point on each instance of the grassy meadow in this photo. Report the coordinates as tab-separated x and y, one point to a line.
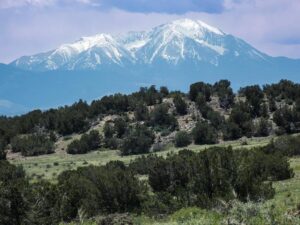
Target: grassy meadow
49	166
280	210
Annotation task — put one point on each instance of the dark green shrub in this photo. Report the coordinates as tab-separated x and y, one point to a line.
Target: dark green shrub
263	128
204	133
120	127
180	105
231	131
141	112
32	145
111	143
254	96
225	93
182	139
161	119
137	141
92	189
200	87
87	142
13	204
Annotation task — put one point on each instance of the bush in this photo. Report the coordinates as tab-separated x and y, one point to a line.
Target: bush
241	116
161	119
285	146
92	188
32	145
231	131
13	184
182	139
204	178
138	141
204	133
77	147
87	142
120	127
225	93
141	112
108	130
263	128
180	105
254	96
215	118
2	150
111	143
200	87
164	91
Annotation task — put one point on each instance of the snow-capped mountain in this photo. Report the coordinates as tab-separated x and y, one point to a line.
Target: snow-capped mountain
174	55
172	43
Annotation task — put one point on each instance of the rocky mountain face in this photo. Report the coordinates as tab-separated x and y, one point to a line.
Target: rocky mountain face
181	41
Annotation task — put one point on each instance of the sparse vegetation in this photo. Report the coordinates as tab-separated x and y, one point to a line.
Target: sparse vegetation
253	180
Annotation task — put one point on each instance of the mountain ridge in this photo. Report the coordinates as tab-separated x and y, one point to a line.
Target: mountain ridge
175	54
171	43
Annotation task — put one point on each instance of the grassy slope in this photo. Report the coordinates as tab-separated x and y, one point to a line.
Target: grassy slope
49	166
288	191
282	205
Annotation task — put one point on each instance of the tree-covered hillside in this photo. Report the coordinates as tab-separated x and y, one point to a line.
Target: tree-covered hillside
218	184
207	114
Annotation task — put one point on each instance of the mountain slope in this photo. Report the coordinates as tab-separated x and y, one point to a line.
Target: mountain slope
177	42
174	54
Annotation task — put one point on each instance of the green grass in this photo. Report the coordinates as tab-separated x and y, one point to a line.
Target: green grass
288	191
49	166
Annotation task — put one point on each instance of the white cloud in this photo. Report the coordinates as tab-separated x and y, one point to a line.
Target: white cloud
19	3
270	25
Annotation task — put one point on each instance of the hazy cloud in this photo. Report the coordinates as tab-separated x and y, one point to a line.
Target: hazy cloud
164	6
20	3
5	103
144	6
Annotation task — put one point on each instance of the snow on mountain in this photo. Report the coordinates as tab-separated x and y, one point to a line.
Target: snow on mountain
179	41
175	54
86	53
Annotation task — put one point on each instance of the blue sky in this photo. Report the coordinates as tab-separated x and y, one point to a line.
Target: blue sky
32	26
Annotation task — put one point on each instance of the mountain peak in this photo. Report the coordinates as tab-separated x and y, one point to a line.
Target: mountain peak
190	24
180	41
85	43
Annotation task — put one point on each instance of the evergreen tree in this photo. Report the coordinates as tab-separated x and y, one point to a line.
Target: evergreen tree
204	133
182	139
141	112
263	128
120	127
200	87
164	91
180	105
138	141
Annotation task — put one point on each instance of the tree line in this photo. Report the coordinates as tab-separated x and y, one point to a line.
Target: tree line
249	114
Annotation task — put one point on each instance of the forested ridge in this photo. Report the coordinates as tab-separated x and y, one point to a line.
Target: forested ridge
207	114
147	122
